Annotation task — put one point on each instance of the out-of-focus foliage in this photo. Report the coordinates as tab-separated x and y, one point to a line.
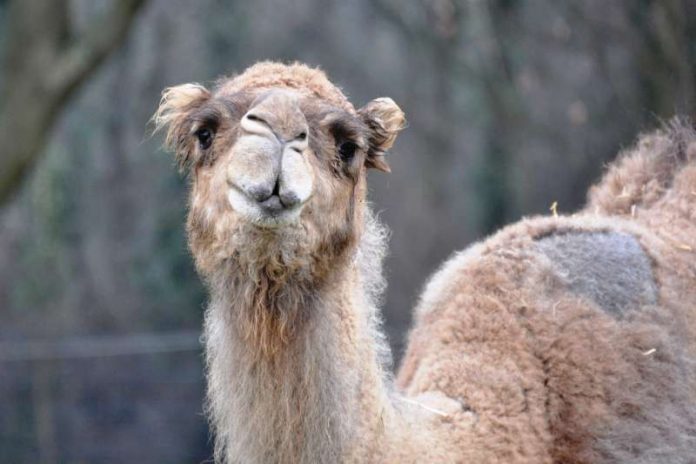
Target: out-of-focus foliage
511	105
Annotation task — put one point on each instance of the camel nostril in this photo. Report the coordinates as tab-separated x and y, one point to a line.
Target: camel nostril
259	193
256	118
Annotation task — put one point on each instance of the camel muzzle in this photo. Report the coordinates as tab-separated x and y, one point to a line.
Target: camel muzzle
269	174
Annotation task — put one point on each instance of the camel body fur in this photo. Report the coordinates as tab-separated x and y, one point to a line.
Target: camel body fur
553	372
557	340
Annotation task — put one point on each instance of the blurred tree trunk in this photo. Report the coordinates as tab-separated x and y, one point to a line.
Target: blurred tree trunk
441	30
668	32
44	64
492	173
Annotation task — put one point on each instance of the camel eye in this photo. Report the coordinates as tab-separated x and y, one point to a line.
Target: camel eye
205	138
347	151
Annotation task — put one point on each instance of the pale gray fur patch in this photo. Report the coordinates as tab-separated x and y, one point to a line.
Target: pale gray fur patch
609	268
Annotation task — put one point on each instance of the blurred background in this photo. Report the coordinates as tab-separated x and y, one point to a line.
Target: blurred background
512	105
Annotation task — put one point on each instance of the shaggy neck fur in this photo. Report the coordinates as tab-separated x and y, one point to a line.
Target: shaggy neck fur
294	364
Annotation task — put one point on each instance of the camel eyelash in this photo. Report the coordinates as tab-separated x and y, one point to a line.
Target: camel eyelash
343	133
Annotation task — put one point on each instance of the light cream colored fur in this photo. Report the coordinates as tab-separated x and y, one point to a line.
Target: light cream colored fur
310	389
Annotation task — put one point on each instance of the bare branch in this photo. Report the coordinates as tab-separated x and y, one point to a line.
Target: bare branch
43	72
88	52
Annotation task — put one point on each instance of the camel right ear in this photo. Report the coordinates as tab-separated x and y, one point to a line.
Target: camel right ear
176	105
385	119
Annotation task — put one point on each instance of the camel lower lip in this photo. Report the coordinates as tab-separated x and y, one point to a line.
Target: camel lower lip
272	206
268	214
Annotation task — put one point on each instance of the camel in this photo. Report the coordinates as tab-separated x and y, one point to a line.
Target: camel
560	339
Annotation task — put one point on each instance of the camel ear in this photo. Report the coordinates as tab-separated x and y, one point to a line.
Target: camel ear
173	115
384	119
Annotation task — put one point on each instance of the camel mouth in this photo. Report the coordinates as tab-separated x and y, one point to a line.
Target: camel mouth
270	213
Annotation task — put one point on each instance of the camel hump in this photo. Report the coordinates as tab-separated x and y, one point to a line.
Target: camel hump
609	268
656	176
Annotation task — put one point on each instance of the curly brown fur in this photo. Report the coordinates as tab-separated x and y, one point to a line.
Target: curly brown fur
558	340
644	174
269	74
510	327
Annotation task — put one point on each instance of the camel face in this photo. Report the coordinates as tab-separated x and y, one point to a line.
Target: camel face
286	148
277	158
284	172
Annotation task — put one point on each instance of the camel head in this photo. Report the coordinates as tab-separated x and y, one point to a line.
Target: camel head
277	158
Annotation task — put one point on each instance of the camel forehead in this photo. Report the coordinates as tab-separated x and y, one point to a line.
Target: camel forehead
296	77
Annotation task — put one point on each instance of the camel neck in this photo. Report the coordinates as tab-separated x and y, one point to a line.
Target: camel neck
310	399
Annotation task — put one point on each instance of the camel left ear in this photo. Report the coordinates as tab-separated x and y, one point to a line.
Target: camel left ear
384	119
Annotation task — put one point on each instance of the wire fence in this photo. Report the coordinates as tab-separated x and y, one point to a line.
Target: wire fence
103	398
100	346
